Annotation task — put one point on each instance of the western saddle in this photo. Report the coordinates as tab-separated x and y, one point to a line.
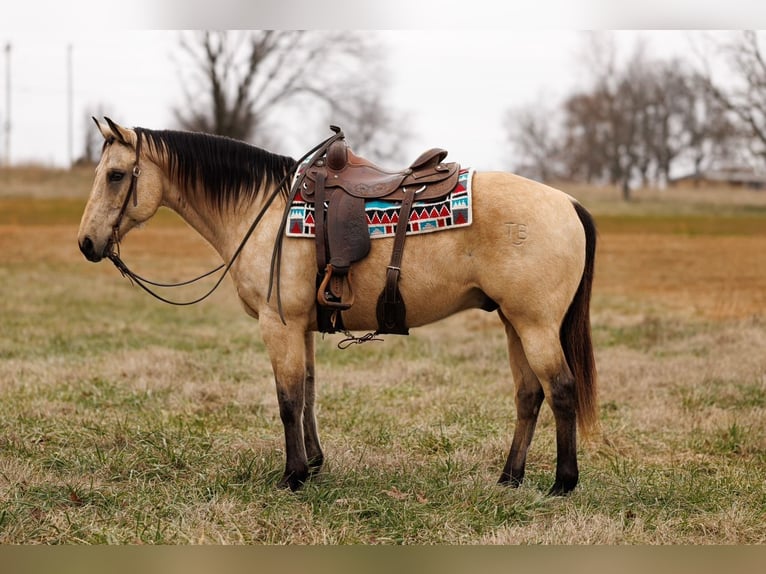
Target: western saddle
339	183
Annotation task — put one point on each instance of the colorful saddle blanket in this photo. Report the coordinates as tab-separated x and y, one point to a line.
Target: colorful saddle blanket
383	216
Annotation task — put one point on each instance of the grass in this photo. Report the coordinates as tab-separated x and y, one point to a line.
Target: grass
685	225
127	421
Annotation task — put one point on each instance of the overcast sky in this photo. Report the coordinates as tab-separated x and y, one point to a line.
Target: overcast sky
454	86
133	75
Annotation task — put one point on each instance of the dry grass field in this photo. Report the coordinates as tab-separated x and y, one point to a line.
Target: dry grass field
128	421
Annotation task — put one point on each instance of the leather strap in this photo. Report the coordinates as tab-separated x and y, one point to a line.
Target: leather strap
132	192
319	223
395	267
391	313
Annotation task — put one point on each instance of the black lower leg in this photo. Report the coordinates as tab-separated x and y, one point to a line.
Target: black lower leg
563	404
296	464
527	409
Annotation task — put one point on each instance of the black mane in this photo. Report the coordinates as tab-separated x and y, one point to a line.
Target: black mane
225	170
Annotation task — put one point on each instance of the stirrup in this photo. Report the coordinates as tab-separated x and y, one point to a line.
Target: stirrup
340	304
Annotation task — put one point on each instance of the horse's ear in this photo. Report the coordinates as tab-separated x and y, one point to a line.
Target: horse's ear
103	129
123	135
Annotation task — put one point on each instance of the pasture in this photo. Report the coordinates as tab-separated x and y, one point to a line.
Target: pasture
128	421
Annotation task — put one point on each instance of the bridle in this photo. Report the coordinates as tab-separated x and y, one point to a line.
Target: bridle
114	251
132	192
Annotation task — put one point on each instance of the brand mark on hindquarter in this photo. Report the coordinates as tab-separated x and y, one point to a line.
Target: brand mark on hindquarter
517	232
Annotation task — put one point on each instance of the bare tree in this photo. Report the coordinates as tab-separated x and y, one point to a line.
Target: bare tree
587	136
632	122
743	93
238	83
532	134
671	97
594	124
711	134
660	96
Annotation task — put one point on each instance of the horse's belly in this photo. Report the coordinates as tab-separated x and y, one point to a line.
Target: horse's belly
437	280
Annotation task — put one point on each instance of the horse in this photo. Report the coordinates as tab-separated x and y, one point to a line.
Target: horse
528	253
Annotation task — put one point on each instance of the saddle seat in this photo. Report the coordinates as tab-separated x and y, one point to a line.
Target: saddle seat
361	178
339	184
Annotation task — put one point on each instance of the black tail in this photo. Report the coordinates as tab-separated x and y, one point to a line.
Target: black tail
575	334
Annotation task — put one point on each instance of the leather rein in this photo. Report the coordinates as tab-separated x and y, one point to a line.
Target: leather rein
114	253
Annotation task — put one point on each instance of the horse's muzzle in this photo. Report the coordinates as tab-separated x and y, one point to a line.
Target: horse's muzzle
89	250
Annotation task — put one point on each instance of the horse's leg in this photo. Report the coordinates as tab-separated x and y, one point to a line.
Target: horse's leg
310	433
529	397
287	349
543	351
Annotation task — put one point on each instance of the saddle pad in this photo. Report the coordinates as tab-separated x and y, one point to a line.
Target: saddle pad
383	216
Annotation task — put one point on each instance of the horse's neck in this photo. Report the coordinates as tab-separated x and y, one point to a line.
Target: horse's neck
224	230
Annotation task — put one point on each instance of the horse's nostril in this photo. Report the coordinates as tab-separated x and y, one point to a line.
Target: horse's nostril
87	248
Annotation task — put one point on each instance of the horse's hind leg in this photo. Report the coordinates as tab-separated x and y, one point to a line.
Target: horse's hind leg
543	354
529	396
542	348
563	404
310	433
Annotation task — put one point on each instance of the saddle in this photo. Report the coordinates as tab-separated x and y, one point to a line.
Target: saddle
339	184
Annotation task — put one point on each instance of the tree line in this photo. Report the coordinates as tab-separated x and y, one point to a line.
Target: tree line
634	124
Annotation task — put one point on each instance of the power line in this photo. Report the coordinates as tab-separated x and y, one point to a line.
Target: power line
70	108
7	126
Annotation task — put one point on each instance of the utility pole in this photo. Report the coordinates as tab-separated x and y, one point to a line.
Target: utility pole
7	126
70	106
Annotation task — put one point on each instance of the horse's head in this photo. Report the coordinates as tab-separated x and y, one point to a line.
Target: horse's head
126	192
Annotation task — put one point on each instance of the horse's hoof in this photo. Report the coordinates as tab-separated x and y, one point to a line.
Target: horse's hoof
293	480
562	487
315	465
511	480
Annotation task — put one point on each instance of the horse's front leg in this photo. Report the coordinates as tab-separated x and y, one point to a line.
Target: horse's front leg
286	345
310	433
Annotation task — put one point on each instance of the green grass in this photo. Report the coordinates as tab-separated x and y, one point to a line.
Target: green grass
126	421
651	334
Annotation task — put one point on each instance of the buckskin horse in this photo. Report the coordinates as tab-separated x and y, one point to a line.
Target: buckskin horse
528	252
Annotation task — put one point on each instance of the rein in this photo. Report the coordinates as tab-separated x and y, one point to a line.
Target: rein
114	254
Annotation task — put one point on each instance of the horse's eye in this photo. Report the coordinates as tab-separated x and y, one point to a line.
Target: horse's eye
115	176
